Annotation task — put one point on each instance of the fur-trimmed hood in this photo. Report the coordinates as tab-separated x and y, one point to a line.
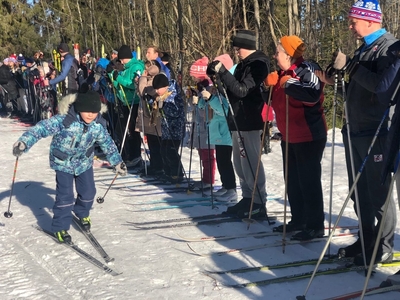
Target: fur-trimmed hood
66	102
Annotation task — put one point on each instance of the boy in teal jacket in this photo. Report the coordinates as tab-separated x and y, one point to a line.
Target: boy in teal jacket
75	130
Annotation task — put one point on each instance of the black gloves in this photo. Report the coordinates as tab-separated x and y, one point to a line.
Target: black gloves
149	99
110	67
115	75
215	67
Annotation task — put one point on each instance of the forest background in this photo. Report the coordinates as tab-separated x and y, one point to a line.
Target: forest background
187	29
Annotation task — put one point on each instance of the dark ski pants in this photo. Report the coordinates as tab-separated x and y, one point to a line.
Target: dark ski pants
171	158
154	143
225	166
371	193
304	182
132	147
66	201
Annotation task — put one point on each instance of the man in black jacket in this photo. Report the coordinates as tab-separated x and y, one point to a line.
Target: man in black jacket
243	90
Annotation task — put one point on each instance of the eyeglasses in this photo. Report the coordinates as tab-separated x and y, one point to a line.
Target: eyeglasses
236	49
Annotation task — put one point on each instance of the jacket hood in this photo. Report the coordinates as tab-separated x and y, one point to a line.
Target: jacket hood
66	102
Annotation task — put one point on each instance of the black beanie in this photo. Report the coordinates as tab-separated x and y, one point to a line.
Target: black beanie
88	102
124	52
165	57
245	39
63	47
160	81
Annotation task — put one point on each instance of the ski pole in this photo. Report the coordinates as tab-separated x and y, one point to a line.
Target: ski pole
286	175
243	145
378	238
249	220
8	213
101	199
332	153
210	161
353	187
353	172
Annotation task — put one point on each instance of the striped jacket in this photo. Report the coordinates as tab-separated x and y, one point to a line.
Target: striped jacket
306	117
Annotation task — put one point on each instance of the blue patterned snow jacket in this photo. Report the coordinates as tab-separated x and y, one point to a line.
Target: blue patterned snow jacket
72	147
173	125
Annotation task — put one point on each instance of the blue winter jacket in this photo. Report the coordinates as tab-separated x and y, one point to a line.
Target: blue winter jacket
173	121
219	131
72	146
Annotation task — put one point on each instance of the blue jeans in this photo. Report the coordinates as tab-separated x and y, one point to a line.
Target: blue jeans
66	201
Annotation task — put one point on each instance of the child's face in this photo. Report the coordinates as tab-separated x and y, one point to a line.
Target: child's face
161	91
88	117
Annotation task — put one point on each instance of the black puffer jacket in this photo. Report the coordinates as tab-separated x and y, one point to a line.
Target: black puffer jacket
244	91
7	82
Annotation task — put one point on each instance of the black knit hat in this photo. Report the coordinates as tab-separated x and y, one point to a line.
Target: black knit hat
160	81
165	57
124	52
245	39
88	102
63	47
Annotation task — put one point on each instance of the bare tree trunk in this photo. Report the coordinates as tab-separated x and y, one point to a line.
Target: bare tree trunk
181	49
258	23
72	20
223	25
80	21
271	22
293	17
149	18
246	24
47	23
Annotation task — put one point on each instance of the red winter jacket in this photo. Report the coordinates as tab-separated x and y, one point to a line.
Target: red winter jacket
306	118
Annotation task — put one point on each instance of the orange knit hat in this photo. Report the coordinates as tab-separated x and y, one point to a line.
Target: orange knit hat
293	45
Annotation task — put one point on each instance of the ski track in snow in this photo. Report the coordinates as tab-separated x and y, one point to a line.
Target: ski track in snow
155	264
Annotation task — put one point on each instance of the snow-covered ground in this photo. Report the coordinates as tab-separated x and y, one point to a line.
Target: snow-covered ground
155	264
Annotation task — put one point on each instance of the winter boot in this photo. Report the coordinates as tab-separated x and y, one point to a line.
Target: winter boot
351	250
63	236
290	227
380	257
308	234
242	205
258	212
85	223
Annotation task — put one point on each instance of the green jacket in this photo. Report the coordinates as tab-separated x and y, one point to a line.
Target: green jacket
125	83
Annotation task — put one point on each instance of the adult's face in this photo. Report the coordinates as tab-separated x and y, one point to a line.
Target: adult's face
282	58
151	54
361	28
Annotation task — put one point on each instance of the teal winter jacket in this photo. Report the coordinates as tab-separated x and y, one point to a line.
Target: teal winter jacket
72	146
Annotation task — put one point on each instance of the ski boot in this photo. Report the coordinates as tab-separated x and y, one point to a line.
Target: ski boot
63	236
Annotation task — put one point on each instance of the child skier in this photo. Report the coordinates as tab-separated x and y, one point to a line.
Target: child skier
75	130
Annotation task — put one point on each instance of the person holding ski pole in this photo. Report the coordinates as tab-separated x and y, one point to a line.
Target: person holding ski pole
297	101
365	114
169	103
75	130
242	90
125	85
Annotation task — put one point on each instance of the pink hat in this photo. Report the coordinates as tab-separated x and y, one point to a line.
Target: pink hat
199	68
13	55
226	61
